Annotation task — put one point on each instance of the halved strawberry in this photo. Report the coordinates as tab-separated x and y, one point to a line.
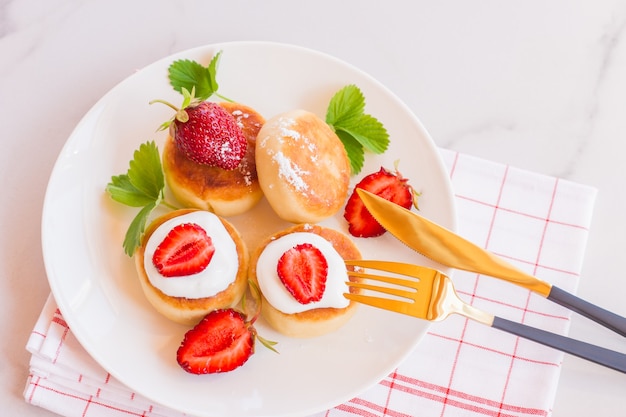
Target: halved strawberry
186	250
223	340
220	342
384	183
303	270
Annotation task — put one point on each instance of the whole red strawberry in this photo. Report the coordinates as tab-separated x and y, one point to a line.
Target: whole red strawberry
206	133
210	136
384	183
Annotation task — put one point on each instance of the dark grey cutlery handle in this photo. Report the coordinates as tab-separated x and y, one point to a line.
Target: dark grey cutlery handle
598	314
609	358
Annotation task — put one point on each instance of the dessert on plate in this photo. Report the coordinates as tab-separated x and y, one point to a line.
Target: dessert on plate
190	263
303	167
226	188
301	274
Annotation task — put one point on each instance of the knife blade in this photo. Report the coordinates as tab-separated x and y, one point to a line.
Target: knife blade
447	248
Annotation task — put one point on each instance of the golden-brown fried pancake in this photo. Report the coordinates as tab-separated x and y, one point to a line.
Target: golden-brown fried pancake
317	321
224	192
191	310
302	166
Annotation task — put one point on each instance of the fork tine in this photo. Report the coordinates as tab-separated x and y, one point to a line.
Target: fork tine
380	302
417	289
402	282
394	267
385	290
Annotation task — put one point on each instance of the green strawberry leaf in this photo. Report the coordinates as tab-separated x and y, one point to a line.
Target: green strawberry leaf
354	149
143	185
357	130
123	191
132	240
145	172
347	103
368	131
188	74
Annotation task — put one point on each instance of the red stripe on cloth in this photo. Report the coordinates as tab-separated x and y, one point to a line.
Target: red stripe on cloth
58	318
546	224
446	400
521	213
515	307
495	213
36	333
514	356
500	352
460	399
392	376
66	330
89	401
356	406
536	265
86	406
452	170
34	382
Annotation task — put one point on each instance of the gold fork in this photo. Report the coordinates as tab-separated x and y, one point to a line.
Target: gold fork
429	294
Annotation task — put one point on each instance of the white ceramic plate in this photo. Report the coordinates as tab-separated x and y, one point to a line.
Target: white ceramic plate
94	283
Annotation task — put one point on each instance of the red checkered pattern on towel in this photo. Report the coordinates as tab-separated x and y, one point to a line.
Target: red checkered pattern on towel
460	368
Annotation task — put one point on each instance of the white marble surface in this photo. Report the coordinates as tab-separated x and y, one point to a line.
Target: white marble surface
540	85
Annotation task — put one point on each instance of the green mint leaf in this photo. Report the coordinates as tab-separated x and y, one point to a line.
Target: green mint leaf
354	149
121	190
356	129
185	73
145	172
132	240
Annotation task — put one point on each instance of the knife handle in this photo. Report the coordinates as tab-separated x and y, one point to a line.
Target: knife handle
602	356
606	318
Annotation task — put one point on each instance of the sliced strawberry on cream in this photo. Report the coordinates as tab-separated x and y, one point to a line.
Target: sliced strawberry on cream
303	270
203	266
277	293
186	250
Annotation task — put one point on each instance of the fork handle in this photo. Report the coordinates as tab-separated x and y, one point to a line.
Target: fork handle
602	356
608	319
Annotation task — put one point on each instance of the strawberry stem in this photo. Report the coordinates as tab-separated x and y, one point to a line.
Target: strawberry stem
173	107
224	98
256	295
267	343
169	205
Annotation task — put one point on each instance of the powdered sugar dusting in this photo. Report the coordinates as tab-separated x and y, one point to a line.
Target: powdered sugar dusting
291	172
238	115
285	124
288	170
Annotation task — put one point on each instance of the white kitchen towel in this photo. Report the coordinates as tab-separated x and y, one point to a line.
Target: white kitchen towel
460	368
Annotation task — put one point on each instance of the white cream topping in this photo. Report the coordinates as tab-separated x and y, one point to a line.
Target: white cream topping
274	290
216	277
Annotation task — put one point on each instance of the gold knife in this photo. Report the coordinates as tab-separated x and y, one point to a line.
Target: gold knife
447	248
